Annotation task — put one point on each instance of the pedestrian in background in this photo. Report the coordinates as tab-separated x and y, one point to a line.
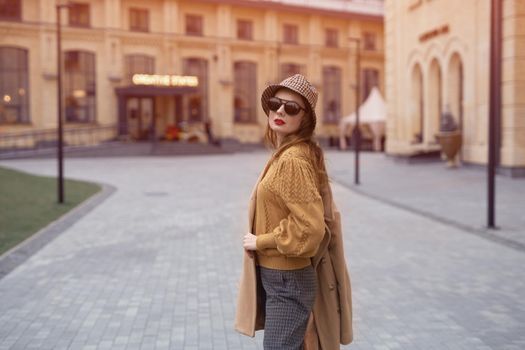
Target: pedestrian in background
294	282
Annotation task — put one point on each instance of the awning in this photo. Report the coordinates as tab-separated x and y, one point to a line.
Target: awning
372	114
148	90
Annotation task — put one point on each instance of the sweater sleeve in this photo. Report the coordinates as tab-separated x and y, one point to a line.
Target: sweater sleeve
300	233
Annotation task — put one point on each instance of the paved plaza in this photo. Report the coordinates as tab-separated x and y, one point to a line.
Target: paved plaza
455	196
156	264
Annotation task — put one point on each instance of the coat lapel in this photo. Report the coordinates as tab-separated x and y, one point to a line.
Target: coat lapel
246	312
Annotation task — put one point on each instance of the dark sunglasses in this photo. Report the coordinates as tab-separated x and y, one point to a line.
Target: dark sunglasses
290	107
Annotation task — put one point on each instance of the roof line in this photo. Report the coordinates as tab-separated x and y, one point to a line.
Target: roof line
279	6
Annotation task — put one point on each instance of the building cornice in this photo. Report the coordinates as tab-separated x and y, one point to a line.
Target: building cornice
297	9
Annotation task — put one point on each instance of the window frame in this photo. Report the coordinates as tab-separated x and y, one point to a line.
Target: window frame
332	74
202	66
16	16
87	70
369	41
20	58
79	6
331	37
290	34
247	88
247	25
199	22
136	13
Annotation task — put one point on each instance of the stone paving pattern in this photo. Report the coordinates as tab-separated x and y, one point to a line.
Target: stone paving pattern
156	266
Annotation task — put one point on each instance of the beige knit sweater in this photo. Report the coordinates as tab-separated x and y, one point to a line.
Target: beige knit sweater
289	213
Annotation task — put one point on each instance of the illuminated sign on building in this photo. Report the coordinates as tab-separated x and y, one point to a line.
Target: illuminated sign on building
165	80
433	33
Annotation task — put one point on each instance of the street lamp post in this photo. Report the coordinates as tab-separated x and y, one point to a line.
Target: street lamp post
60	151
494	108
357	132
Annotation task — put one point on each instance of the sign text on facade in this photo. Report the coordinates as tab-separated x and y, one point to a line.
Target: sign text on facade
165	80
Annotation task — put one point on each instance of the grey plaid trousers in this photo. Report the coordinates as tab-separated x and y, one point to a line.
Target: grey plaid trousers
290	296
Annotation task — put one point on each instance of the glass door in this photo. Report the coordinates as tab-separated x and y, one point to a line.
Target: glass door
139	114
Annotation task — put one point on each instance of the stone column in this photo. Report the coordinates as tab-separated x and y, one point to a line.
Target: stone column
512	156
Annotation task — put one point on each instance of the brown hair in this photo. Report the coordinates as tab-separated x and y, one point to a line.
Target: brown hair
305	134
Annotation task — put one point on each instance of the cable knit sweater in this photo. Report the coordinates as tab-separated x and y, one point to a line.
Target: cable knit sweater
289	213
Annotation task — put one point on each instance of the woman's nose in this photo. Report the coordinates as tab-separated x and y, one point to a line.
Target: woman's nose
281	109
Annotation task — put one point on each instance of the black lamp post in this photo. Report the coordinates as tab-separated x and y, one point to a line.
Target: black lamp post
494	108
357	132
60	151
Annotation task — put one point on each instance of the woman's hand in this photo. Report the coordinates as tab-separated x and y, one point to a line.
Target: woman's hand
249	242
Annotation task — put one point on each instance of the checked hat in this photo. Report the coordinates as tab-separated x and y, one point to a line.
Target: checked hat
296	83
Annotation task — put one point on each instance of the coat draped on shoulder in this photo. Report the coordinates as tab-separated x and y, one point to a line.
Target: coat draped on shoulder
332	311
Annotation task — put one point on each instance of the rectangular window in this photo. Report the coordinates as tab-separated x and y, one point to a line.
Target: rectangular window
11	10
139	20
245	95
79	15
194	25
369	41
332	87
244	29
290	34
331	37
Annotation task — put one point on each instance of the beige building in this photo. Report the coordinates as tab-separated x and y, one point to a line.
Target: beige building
137	68
437	56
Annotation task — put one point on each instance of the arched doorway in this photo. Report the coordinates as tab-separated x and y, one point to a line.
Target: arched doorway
455	88
416	106
434	102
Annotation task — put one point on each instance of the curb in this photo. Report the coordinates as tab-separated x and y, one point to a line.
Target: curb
17	255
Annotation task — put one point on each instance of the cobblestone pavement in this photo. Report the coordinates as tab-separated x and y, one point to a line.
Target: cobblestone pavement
156	266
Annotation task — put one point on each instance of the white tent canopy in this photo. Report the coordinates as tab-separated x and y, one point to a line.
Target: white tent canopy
371	113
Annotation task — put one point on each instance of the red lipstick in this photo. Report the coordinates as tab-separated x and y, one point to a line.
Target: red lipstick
279	122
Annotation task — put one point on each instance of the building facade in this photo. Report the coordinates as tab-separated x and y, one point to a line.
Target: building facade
437	58
127	63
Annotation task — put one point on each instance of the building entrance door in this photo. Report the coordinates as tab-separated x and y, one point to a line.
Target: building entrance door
139	114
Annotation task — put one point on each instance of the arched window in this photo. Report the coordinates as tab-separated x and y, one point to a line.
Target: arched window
139	64
14	86
80	86
198	103
245	99
332	86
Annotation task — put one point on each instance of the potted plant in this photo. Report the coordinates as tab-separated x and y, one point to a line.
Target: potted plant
449	137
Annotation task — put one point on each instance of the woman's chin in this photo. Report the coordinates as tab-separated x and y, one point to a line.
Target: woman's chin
278	129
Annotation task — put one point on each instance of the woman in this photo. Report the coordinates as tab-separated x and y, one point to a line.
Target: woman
289	236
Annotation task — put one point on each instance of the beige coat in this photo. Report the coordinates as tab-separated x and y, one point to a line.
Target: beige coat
332	310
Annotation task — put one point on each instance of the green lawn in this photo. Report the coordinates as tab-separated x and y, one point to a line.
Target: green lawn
28	203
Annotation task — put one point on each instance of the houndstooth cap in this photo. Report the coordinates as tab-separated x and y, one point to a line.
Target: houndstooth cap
296	83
